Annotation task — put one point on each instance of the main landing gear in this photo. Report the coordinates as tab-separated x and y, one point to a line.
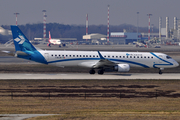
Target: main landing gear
92	71
49	45
100	72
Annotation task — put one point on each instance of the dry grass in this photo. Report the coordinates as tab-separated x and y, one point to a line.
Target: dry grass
166	106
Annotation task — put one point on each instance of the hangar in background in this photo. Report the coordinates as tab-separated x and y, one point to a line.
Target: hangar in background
95	38
123	37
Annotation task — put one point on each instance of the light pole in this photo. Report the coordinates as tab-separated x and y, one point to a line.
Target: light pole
149	26
44	26
108	26
16	17
137	24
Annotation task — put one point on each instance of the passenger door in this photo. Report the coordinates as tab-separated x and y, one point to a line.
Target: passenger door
46	56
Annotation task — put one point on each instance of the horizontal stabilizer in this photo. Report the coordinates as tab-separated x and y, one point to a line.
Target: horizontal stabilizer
9	52
21	53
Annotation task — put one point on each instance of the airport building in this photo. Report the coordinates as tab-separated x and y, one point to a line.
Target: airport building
95	38
123	37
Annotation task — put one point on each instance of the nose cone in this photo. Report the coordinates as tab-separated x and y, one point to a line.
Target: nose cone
176	64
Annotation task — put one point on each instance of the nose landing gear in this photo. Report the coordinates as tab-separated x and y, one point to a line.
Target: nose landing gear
160	70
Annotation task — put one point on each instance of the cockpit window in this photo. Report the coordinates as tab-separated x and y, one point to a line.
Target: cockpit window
168	57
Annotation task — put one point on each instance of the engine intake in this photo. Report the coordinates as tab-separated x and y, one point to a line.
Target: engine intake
122	67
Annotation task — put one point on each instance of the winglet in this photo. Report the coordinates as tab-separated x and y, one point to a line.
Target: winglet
101	57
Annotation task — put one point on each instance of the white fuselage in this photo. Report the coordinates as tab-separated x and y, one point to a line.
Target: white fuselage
90	58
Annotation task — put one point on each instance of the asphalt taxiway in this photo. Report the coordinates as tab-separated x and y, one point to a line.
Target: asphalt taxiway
86	76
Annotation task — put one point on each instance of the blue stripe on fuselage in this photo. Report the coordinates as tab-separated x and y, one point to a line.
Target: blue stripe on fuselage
117	60
169	63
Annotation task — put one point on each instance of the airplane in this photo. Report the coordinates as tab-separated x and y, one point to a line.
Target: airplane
117	61
53	41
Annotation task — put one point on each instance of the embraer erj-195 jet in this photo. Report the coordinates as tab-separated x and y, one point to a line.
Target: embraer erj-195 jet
117	61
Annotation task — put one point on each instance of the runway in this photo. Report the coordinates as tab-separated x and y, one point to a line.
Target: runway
86	76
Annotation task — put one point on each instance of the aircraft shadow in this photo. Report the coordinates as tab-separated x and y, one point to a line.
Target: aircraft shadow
120	74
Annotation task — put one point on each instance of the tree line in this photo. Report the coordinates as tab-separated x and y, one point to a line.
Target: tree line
69	31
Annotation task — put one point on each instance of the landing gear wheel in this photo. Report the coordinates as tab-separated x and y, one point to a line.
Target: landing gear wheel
92	71
160	72
49	45
101	71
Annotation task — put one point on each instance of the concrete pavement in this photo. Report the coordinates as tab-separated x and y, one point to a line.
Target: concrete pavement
86	76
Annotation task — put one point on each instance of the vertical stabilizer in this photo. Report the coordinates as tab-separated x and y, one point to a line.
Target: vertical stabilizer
20	41
24	49
49	35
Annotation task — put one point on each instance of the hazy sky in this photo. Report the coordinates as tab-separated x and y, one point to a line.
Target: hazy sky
74	11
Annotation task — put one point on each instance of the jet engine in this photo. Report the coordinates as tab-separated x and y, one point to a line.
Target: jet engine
122	67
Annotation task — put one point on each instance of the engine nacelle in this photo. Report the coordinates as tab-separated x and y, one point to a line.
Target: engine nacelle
122	67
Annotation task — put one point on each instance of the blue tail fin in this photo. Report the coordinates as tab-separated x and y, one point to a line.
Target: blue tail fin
24	49
20	41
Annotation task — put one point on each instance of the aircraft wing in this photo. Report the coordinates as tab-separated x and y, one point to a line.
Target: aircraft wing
103	62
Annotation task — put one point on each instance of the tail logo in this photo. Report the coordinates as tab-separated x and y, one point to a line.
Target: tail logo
20	39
